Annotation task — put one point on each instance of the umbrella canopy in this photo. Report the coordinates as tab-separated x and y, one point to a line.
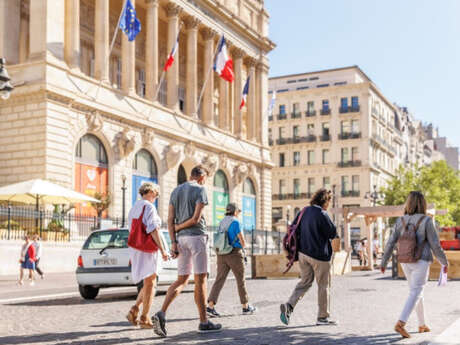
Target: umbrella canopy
35	191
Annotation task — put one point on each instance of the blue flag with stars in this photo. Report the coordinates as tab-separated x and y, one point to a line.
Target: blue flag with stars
129	23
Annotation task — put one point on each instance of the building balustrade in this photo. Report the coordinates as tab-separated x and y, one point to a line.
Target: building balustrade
326	111
350	193
347	164
352	135
310	113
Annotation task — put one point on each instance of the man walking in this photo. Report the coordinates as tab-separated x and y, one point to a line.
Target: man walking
315	252
38	254
187	229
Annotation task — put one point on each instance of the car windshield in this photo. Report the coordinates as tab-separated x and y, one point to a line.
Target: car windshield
112	238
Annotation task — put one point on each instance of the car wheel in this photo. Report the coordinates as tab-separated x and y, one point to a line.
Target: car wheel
88	291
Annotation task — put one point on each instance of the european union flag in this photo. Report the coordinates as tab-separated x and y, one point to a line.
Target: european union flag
129	23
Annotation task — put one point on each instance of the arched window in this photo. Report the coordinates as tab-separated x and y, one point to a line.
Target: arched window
144	170
249	205
91	171
220	196
181	175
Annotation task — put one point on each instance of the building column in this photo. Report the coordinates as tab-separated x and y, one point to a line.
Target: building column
172	76
10	22
262	94
128	63
46	27
223	106
191	24
238	69
101	40
206	103
151	50
251	98
23	34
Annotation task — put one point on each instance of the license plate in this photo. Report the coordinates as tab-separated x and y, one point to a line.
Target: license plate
98	262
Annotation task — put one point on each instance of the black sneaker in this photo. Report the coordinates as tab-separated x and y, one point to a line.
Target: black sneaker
249	310
209	327
212	312
286	311
159	324
325	321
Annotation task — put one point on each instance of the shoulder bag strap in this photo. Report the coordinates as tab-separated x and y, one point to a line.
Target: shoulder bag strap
300	216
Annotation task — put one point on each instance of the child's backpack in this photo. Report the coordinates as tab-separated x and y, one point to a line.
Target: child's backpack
291	242
408	250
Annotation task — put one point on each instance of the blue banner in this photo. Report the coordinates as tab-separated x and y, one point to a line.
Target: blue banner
249	213
137	182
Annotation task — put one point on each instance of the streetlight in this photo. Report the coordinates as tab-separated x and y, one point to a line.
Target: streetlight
5	85
288	209
123	188
374	196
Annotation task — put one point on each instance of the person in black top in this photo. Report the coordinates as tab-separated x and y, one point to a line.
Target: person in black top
315	252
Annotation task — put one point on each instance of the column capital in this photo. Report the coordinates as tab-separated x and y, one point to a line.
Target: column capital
191	22
250	61
263	67
151	3
172	10
208	34
238	53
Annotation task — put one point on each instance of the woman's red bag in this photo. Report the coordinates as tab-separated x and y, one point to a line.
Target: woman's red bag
138	237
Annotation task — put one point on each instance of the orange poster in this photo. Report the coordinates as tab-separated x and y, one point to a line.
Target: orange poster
89	180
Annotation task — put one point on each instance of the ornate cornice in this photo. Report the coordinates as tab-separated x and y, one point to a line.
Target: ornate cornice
172	10
208	33
191	22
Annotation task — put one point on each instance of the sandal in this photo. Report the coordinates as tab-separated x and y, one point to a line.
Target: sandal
132	315
424	329
145	322
399	327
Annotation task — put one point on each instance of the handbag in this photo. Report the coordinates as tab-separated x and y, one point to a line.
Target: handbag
139	238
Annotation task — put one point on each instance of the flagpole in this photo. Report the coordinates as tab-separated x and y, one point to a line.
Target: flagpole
112	43
206	80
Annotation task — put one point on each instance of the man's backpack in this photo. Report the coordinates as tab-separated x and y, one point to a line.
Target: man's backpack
222	246
291	242
408	250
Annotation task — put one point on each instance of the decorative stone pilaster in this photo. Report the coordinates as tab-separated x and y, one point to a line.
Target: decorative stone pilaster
151	50
128	67
172	76
101	40
206	103
251	118
72	33
238	55
191	25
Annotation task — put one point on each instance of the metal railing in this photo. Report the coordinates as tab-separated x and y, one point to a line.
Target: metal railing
281	116
353	163
292	196
310	113
325	111
325	137
350	193
352	135
296	115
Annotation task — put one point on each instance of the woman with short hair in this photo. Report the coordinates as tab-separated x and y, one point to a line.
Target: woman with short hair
417	272
144	265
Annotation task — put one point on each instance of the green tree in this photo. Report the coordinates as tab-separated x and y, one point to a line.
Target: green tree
438	182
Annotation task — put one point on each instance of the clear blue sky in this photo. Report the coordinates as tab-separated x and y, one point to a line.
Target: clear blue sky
409	48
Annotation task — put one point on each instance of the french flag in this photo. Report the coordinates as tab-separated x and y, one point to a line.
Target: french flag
170	60
245	94
223	65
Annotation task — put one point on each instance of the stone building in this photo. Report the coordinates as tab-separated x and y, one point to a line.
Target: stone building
89	119
333	129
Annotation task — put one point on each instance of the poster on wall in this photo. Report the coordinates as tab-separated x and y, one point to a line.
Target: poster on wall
220	201
89	180
249	213
137	182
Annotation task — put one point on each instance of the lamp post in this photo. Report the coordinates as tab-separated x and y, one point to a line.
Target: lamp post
288	210
374	196
5	85
123	205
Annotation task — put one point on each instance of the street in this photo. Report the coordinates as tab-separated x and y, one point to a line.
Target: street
366	305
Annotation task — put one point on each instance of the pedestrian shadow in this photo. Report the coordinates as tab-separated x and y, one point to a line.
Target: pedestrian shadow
77	300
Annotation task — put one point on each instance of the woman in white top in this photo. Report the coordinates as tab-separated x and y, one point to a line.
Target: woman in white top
144	266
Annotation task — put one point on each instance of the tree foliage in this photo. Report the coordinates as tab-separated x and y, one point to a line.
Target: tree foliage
438	182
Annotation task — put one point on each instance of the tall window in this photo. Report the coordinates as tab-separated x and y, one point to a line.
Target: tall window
311	157
355	126
345	184
90	150
296	158
355	183
354	153
295	108
311	185
310	129
355	102
325	104
325	156
295	131
345	154
310	106
325	129
282	109
282	186
327	183
140	85
296	186
282	162
344	103
280	132
270	134
344	127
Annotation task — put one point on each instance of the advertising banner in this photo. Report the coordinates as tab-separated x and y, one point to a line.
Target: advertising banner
249	213
89	180
220	201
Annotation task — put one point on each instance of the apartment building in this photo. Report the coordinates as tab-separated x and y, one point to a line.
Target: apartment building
333	129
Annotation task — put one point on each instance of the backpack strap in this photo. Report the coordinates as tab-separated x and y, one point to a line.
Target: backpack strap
403	223
419	222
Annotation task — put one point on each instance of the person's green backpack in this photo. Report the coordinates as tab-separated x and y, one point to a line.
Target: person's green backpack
221	243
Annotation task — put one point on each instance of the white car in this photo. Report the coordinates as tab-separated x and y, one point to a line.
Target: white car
104	262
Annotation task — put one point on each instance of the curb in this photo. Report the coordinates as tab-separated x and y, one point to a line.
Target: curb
450	336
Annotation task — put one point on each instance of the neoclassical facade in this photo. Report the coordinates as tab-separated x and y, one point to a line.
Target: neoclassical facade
88	117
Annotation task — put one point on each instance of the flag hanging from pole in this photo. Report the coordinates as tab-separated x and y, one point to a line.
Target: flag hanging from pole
271	106
129	23
170	59
245	94
223	65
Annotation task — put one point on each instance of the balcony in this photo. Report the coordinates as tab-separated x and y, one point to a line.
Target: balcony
282	116
343	110
281	141
325	137
350	193
292	196
270	118
325	111
354	109
348	164
353	135
295	115
270	142
310	113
